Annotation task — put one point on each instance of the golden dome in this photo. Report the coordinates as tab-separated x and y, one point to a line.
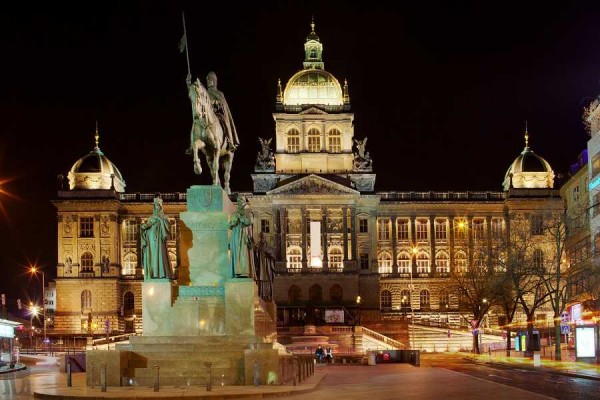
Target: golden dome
313	86
95	171
529	171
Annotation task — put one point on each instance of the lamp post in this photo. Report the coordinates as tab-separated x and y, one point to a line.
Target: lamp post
33	311
34	270
358	299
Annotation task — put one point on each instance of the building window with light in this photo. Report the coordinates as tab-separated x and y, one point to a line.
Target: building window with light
294	258
421	226
383	229
576	193
131	230
173	229
460	229
129	264
424	301
363	225
478	229
334	141
87	262
405	300
86	301
293	141
497	228
335	258
86	227
442	262
402	225
538	259
386	299
440	230
423	263
314	141
444	300
385	262
404	266
460	262
537	225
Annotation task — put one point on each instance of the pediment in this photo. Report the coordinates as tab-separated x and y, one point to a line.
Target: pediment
312	110
313	185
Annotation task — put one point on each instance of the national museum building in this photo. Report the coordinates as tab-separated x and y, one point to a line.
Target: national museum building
339	245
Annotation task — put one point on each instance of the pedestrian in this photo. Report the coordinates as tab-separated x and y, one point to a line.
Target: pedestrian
319	354
329	355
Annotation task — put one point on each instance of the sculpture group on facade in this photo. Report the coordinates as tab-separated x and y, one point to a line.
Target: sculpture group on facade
154	235
265	160
213	130
362	158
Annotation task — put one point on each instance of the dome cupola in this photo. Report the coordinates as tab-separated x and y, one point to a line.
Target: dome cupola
529	171
95	171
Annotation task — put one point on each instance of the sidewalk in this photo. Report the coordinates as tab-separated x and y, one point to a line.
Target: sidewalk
570	368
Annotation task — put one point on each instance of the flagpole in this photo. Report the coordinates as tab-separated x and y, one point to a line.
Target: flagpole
187	54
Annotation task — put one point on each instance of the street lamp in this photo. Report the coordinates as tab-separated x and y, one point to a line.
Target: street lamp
358	299
34	270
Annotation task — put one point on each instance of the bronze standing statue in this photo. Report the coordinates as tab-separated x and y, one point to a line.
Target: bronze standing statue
241	243
154	235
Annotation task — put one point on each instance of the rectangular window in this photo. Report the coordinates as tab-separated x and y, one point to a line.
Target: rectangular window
265	226
537	225
364	261
335	144
421	228
293	144
173	229
363	225
497	230
131	228
478	229
460	229
403	230
576	193
383	229
86	227
440	230
314	144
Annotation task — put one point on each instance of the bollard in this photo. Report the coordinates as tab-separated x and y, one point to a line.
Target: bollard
92	375
209	381
256	371
157	378
294	370
103	377
69	380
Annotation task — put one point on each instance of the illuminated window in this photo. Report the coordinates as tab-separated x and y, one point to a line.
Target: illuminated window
442	262
336	293
87	262
537	225
173	261
335	141
314	141
402	229
478	229
386	299
294	294
444	300
424	301
129	264
440	230
130	230
86	300
293	141
405	299
404	263
497	228
576	193
538	259
460	262
173	229
363	225
86	227
315	294
383	229
421	228
460	229
423	263
294	258
335	258
385	262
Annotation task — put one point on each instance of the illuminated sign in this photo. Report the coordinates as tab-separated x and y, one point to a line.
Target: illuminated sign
594	183
576	313
585	345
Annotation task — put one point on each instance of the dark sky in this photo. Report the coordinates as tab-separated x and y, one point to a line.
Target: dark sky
442	91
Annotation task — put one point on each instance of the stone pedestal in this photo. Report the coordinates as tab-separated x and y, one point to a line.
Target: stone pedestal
240	295
156	306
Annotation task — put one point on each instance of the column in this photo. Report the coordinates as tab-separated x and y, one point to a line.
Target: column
354	255
470	239
451	241
432	244
304	227
394	245
488	231
374	240
345	232
324	235
413	240
283	233
277	230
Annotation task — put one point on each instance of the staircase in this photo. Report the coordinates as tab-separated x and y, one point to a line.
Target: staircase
372	340
436	339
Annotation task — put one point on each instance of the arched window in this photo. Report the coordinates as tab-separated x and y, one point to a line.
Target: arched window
294	294
424	299
386	299
294	258
129	264
335	258
315	294
336	293
173	261
314	141
86	301
538	259
423	263
385	262
128	304
293	141
404	260
442	262
87	262
405	299
334	144
444	300
460	262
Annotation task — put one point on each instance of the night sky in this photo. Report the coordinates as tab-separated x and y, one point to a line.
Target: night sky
442	92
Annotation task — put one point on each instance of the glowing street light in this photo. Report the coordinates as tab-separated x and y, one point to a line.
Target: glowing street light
34	271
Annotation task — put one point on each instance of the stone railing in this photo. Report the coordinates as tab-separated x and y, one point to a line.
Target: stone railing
382	338
443	196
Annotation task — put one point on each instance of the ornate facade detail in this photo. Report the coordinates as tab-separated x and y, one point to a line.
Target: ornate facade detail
87	246
362	158
313	185
265	160
104	226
